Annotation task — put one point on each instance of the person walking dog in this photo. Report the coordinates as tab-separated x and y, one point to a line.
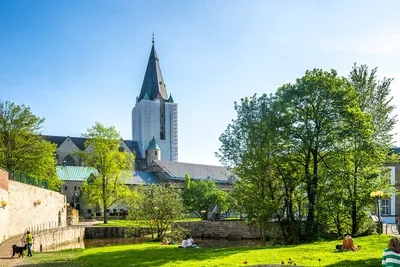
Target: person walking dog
29	242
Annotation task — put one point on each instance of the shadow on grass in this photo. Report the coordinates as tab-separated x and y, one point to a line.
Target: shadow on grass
372	262
142	257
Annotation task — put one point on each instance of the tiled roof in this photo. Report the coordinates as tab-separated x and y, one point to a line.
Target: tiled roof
178	170
142	178
74	173
80	142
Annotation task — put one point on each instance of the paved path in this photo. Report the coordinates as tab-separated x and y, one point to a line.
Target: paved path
6	252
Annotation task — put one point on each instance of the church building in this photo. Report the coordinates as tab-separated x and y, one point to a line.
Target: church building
154	144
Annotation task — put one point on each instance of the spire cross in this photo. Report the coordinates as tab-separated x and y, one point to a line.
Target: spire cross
153	38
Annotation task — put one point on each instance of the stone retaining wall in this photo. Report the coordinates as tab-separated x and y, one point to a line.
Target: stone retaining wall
100	232
227	229
56	239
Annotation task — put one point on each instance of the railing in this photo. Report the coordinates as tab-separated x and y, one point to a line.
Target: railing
44	226
26	179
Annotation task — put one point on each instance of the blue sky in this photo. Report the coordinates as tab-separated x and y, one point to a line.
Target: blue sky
77	62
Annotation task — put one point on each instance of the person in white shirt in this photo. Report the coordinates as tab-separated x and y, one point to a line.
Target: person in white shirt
184	243
190	242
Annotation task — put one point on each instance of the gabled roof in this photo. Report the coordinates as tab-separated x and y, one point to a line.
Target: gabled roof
153	145
142	178
153	82
178	170
58	140
74	173
80	142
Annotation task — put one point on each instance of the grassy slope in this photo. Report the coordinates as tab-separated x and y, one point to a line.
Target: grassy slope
138	223
153	254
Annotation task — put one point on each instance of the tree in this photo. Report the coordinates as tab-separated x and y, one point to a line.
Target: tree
22	148
102	152
200	195
314	149
255	147
158	206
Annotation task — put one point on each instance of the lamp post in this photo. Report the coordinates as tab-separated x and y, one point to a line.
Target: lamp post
378	194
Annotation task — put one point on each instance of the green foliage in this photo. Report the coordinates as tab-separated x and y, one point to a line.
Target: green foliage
157	205
114	168
22	148
199	197
154	254
313	150
187	181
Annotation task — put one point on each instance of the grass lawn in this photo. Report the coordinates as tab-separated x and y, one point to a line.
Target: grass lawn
153	254
138	223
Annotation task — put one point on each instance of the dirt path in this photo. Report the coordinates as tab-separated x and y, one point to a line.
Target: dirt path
6	252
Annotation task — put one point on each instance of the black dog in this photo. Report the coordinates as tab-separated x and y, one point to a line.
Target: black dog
19	250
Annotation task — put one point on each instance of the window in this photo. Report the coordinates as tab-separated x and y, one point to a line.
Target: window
385	207
155	152
65	188
75	187
89	211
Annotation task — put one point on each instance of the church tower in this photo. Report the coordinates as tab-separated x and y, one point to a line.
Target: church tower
155	115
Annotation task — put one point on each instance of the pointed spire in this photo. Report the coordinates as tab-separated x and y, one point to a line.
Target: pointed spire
153	82
170	99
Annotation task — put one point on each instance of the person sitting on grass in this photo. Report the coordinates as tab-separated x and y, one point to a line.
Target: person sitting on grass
348	244
391	255
184	243
190	242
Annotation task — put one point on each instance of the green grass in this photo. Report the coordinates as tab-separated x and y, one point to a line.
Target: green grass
138	223
153	254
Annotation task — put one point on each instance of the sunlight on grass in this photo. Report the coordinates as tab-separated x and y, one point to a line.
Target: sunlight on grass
153	254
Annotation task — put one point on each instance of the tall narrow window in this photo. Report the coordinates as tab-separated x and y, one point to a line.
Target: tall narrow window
385	207
65	188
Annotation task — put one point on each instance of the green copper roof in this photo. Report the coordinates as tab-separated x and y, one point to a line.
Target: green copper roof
170	99
146	96
153	82
153	145
74	173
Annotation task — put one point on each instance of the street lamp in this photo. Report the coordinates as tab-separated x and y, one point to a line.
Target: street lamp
378	194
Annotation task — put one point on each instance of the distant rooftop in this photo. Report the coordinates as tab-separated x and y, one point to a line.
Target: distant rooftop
178	170
74	173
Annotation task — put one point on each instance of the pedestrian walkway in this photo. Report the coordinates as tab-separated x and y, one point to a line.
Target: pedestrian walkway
6	252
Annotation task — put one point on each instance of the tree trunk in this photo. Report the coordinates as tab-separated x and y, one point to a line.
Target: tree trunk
105	212
354	223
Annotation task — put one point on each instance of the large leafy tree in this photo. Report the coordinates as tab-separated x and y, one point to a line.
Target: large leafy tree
102	152
158	206
198	196
22	148
314	150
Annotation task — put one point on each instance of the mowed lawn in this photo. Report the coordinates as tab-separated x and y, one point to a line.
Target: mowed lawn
154	254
